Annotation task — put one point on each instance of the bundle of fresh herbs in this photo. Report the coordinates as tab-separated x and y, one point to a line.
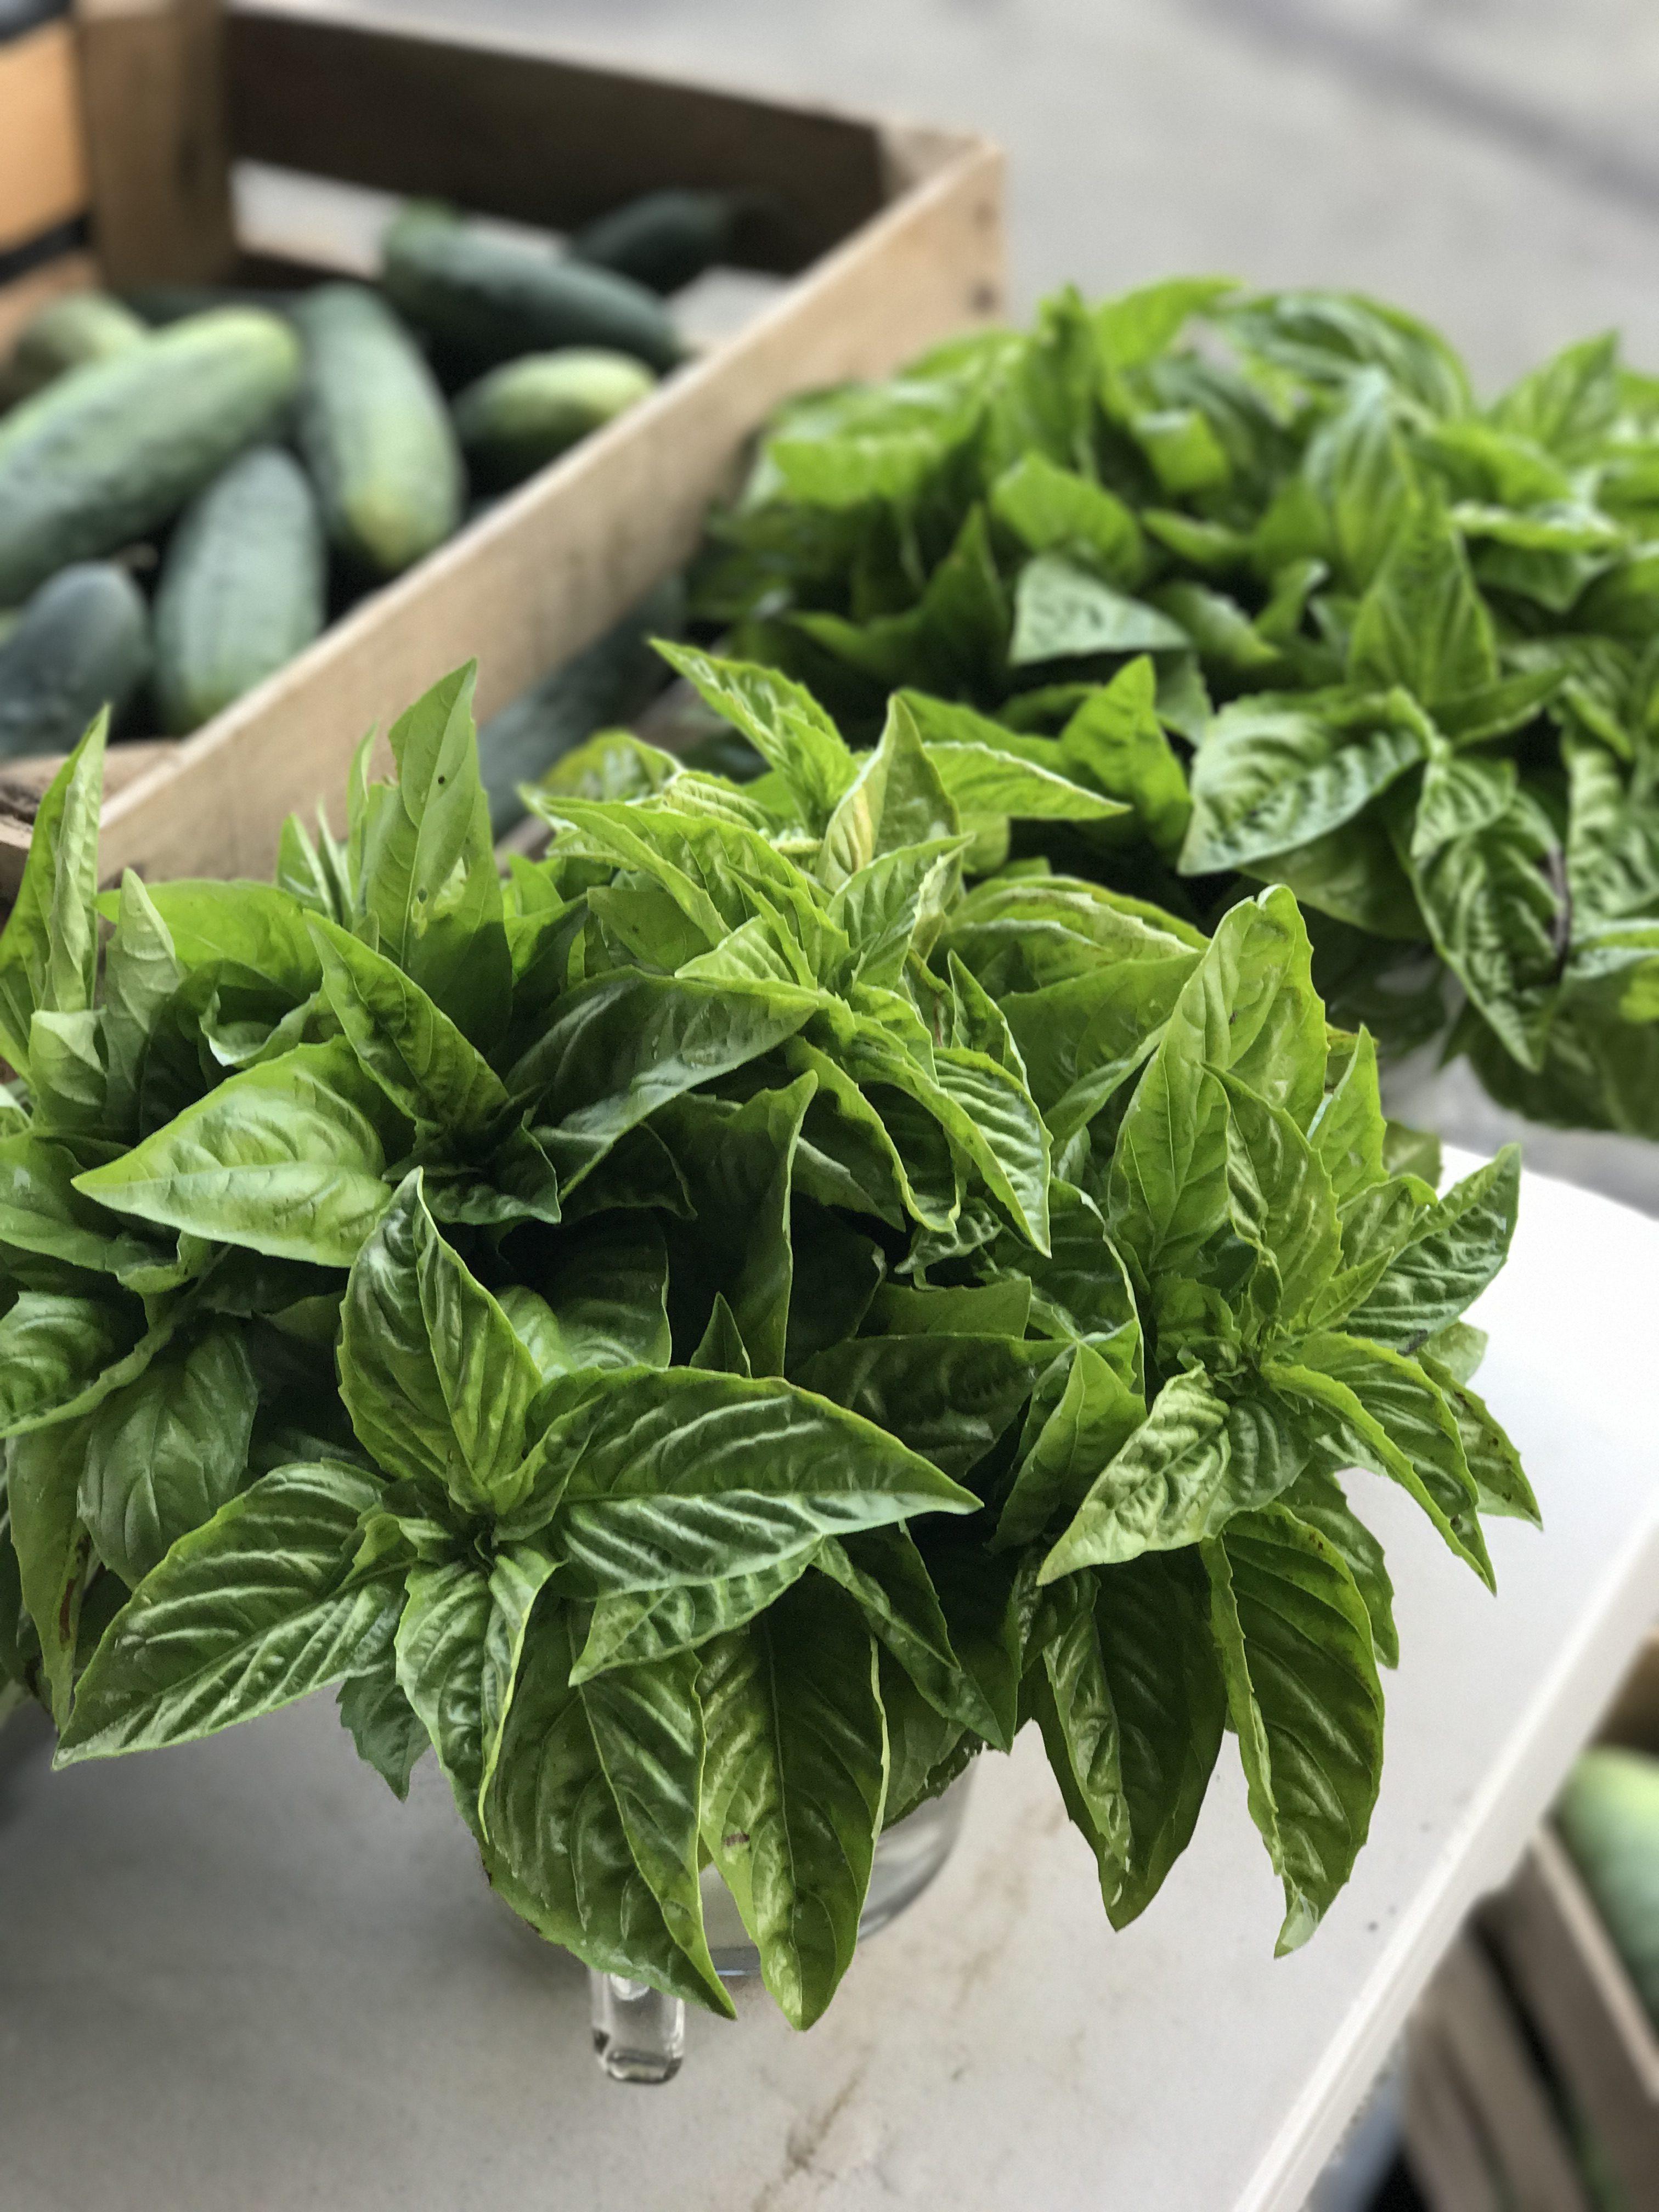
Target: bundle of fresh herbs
711	1334
1400	651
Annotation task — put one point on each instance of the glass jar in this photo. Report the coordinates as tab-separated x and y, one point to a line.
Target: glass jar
639	2034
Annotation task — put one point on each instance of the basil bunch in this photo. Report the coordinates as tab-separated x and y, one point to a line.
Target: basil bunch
1401	651
713	1332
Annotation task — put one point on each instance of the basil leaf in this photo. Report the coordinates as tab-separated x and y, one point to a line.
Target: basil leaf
948	1398
1249	1008
1392	1419
162	1454
1194	1462
287	1159
1064	612
1454	1249
427	873
49	946
1273	775
417	1055
243	1615
593	1812
53	1548
436	1380
687	1477
1294	1636
794	1786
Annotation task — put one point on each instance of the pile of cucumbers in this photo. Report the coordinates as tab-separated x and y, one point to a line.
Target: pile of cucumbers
187	497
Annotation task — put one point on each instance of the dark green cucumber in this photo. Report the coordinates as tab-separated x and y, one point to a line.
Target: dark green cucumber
664	239
375	432
524	414
484	299
114	449
82	643
243	588
65	334
613	678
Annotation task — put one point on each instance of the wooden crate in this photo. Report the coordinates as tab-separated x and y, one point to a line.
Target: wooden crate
1538	1991
133	114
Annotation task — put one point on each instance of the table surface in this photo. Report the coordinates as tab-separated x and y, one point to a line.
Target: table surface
240	1974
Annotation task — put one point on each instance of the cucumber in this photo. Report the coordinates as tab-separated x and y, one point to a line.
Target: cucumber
243	587
375	432
663	240
524	414
114	448
608	682
484	299
1608	1816
82	642
79	327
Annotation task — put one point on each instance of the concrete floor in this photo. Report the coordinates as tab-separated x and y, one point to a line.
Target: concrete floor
1490	163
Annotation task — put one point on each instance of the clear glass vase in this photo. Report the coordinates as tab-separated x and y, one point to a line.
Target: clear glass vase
639	2034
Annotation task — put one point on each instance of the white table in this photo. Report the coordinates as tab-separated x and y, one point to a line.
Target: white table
239	1976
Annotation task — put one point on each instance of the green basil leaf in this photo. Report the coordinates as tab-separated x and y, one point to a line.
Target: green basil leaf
142	971
427	875
244	1614
287	1159
949	1398
60	1353
896	800
1094	1416
783	722
1423	623
642	1626
1454	1249
1273	775
885	1576
1064	612
1295	1639
408	1045
49	946
1250	1007
436	1380
1317	1499
593	1812
1389	1417
388	1733
53	1548
685	1476
1194	1462
161	1455
1050	508
625	1044
738	1164
795	1782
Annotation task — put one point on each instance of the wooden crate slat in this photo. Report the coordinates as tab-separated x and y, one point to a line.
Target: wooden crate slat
43	164
1582	2002
1444	2141
152	87
553	567
71	272
468	120
1479	2036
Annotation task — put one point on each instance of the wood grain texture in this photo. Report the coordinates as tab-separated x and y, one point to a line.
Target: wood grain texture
500	126
1444	2140
43	164
152	75
71	272
1481	2044
554	566
1583	2006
